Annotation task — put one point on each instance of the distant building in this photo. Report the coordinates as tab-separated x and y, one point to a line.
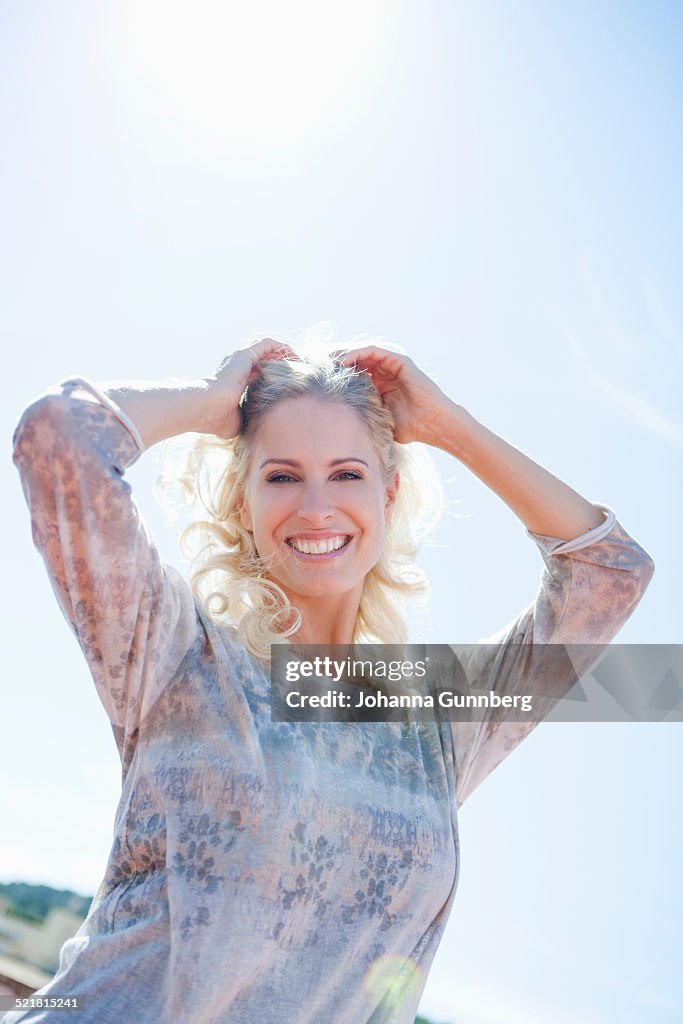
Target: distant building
19	978
36	943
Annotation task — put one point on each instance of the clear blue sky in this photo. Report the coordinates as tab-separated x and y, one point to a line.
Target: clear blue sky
495	187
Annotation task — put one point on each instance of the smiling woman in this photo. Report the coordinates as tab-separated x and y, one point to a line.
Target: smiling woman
264	870
315	459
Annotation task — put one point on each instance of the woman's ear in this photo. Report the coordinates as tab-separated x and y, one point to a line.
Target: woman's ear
245	517
392	490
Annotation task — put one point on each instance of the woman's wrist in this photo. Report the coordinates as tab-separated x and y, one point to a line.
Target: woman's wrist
452	429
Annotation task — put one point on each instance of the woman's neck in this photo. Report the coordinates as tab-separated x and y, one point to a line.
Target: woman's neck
327	619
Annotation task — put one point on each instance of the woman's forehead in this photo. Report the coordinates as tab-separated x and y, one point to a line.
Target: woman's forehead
313	426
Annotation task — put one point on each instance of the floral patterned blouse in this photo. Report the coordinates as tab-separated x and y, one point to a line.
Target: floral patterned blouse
260	871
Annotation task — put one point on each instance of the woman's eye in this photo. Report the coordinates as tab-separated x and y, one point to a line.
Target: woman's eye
348	473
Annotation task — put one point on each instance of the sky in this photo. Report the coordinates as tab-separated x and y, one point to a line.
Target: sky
495	188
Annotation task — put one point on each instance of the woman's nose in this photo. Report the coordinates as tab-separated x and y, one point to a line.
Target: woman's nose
314	505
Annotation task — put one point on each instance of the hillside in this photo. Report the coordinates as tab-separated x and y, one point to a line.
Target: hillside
34	902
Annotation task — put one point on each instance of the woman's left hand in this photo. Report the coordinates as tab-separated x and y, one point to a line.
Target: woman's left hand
415	401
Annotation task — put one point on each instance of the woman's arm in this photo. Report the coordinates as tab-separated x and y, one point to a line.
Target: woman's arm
594	574
208	405
133	616
422	412
544	503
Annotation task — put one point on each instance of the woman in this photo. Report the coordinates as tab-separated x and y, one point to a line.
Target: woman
281	871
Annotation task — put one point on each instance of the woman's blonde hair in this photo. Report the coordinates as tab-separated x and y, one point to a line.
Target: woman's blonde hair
228	576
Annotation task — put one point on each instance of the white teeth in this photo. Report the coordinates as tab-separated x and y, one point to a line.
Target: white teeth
321	547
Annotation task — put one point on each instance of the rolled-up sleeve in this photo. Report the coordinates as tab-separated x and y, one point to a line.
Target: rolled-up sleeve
588	589
134	618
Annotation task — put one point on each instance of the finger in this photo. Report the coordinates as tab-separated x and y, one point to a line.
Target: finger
370	354
346	354
268	350
276	355
271	346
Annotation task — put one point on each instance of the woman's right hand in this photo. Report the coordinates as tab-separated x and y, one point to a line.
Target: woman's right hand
206	405
226	386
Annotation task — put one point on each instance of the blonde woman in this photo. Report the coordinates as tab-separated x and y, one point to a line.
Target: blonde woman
265	871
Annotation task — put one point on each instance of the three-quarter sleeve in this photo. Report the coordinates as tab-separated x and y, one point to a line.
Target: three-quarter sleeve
133	617
589	587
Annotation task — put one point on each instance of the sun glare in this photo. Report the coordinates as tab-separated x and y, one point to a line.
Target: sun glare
246	78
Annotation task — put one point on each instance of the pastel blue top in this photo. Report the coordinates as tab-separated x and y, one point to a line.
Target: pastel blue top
260	871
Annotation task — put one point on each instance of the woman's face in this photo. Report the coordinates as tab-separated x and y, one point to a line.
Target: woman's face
315	483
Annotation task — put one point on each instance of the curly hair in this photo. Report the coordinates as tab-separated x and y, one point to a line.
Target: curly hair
228	576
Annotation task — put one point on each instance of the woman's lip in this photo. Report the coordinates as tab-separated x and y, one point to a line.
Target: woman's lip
328	554
318	536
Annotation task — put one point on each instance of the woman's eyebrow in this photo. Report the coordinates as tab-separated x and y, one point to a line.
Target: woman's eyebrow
297	465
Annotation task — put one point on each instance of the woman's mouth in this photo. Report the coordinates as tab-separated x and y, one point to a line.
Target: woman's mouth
316	551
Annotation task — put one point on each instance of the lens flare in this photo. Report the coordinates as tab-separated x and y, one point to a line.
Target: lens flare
394	979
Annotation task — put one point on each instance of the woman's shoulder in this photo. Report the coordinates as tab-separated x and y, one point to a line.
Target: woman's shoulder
227	642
